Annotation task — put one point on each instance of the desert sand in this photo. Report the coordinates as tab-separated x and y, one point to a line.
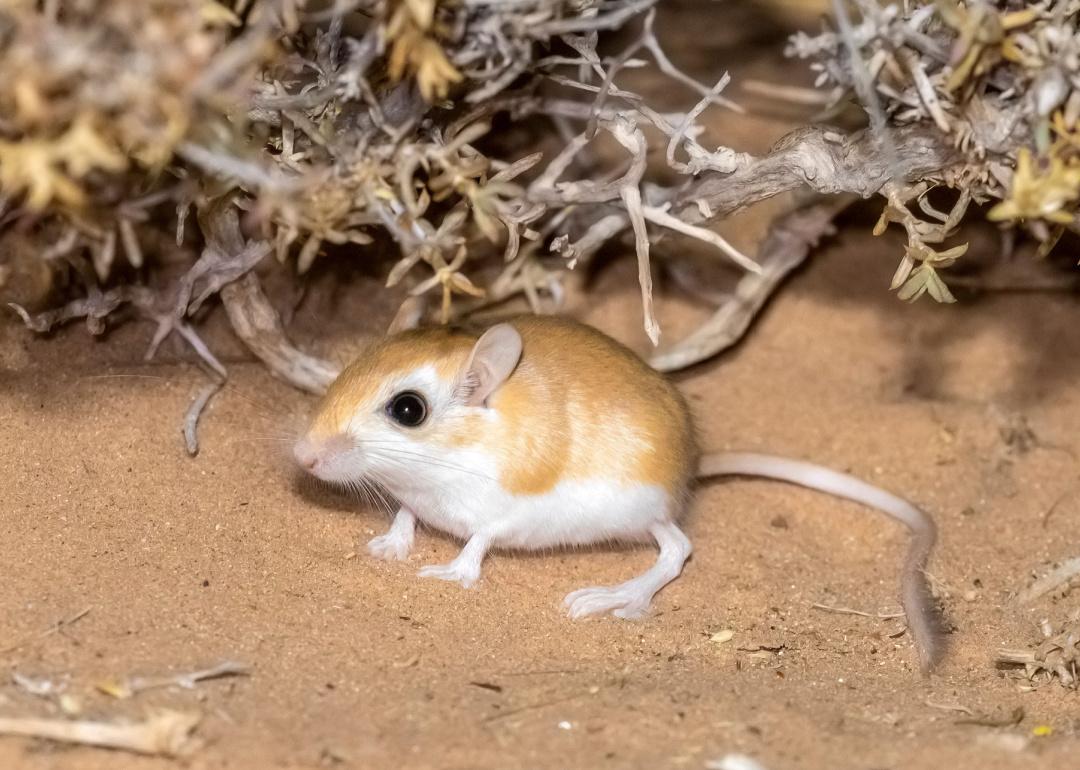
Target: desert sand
182	562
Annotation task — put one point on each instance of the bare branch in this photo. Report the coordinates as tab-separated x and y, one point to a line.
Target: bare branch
167	734
253	318
818	159
632	198
256	322
191	419
132	686
787	245
661	217
1057	577
823	160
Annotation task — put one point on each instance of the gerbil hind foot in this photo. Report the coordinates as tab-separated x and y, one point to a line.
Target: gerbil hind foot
624	601
465	569
397	543
631	600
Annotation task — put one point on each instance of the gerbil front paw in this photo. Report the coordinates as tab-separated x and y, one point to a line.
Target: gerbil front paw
393	546
454	572
620	601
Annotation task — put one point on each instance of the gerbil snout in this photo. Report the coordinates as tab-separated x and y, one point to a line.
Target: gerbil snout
317	456
306	454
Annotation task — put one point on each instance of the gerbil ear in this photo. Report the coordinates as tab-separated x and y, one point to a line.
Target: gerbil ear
408	315
492	360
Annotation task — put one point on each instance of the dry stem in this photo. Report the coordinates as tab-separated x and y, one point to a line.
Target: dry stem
191	419
135	685
789	242
1053	580
166	734
257	323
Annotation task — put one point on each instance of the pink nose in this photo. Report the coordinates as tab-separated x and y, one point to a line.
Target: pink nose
306	454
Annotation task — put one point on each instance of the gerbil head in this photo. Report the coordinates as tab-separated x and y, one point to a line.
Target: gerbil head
391	414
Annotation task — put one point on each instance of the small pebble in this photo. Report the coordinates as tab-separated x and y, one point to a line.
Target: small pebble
734	762
1011	742
70	705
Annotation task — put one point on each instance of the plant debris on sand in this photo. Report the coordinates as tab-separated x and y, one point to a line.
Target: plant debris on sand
1054	658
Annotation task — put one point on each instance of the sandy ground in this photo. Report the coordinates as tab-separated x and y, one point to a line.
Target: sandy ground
968	410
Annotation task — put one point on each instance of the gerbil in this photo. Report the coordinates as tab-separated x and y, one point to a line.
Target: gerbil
543	432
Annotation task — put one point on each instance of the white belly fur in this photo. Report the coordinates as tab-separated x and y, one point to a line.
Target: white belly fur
573	513
445	496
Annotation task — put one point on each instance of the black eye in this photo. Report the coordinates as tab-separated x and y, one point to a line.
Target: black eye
408	409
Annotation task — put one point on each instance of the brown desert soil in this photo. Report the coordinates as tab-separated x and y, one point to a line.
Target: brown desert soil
967	409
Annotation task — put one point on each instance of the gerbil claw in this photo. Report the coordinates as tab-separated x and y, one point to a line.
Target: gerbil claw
631	599
620	601
465	569
396	544
452	572
390	547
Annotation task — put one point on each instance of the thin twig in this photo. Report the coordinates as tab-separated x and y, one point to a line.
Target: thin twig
252	316
794	94
632	199
1059	576
531	707
661	217
860	613
55	628
613	20
789	242
167	734
191	419
712	96
257	323
136	685
949	707
1015	717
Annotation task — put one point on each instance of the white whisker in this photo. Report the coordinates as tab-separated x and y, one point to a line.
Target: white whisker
390	452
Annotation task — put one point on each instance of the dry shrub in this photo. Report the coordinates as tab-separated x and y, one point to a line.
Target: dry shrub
288	126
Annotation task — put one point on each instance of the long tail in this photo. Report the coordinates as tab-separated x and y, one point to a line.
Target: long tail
918	603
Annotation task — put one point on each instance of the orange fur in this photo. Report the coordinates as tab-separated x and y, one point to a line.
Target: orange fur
579	405
444	348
